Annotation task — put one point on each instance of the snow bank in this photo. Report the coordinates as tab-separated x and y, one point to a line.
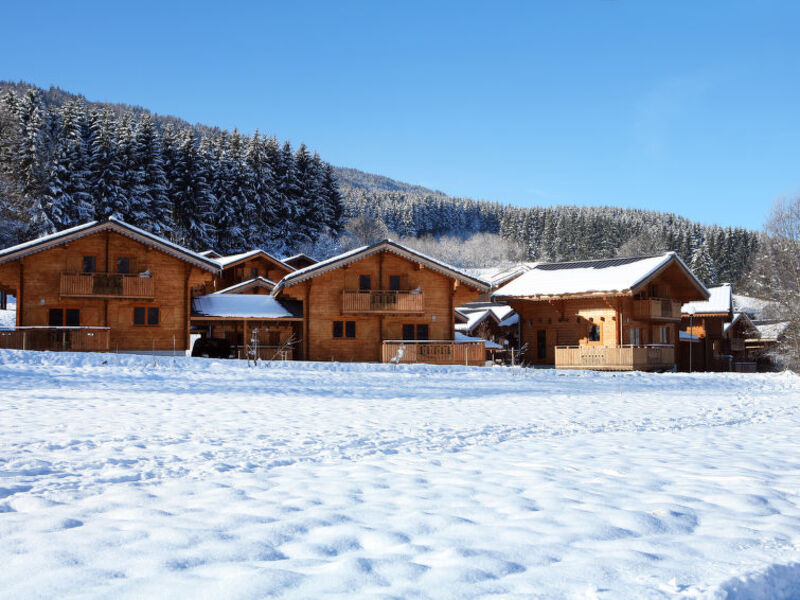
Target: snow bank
132	476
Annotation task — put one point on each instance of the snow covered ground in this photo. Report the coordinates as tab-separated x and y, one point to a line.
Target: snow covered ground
138	477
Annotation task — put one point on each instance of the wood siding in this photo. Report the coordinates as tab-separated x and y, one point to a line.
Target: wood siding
323	304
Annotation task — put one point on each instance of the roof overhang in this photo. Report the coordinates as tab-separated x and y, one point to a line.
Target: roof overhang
117	226
256	253
347	258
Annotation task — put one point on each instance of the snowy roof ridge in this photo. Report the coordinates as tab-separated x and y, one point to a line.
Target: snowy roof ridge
57	238
363	251
243	284
720	301
231	259
298	255
608	275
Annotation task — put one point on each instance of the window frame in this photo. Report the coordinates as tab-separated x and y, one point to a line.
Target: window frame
594	327
348	327
83	263
364	277
146	308
636	340
130	264
337	325
63	310
399	282
427	329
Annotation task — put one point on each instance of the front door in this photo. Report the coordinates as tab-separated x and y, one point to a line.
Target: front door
541	344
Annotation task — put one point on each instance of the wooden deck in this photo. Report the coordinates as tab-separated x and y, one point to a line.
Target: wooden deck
56	339
616	358
437	352
657	309
382	302
106	285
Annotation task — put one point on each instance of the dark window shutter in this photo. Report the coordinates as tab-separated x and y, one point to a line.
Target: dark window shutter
337	329
350	329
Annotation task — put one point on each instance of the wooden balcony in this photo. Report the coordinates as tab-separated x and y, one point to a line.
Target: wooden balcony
617	358
106	285
56	339
382	302
657	309
437	352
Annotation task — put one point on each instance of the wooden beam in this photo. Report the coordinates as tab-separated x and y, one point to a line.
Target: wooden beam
20	294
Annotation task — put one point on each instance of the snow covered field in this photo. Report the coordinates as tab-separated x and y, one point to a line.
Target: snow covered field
134	477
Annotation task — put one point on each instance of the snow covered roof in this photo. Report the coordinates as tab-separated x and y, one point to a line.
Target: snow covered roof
720	302
685	336
300	257
242	306
238	288
474	313
509	321
771	331
232	259
460	338
590	277
755	307
358	253
736	318
501	274
113	224
210	254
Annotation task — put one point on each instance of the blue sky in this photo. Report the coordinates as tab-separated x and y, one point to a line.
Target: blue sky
690	107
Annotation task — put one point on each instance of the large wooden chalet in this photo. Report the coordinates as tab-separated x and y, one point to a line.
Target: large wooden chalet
615	314
382	303
102	286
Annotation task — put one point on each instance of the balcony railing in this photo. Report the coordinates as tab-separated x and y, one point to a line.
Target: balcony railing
382	301
56	339
653	357
438	352
106	285
657	309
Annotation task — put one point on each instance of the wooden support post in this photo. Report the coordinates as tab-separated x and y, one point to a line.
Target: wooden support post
187	309
306	318
20	295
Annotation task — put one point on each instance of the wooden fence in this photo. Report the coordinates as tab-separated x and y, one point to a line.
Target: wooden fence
56	339
438	352
616	358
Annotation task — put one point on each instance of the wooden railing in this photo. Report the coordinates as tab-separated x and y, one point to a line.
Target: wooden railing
382	301
438	352
107	285
56	339
616	358
658	309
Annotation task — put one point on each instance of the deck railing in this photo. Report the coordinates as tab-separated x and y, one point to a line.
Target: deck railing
56	339
616	358
107	285
658	309
382	301
438	352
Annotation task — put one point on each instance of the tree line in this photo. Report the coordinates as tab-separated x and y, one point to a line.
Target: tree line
65	164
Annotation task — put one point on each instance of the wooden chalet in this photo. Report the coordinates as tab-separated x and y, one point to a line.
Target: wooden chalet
712	349
247	267
102	286
613	314
491	321
382	303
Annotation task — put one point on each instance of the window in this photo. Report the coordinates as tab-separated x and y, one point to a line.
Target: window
89	264
408	332
663	335
594	333
123	264
422	332
394	282
56	317
364	282
350	329
146	316
415	332
253	273
636	336
59	317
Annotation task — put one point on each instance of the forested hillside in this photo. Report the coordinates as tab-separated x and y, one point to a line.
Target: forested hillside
65	160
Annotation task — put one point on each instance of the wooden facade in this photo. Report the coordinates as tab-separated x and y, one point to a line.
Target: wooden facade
354	303
133	285
634	327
